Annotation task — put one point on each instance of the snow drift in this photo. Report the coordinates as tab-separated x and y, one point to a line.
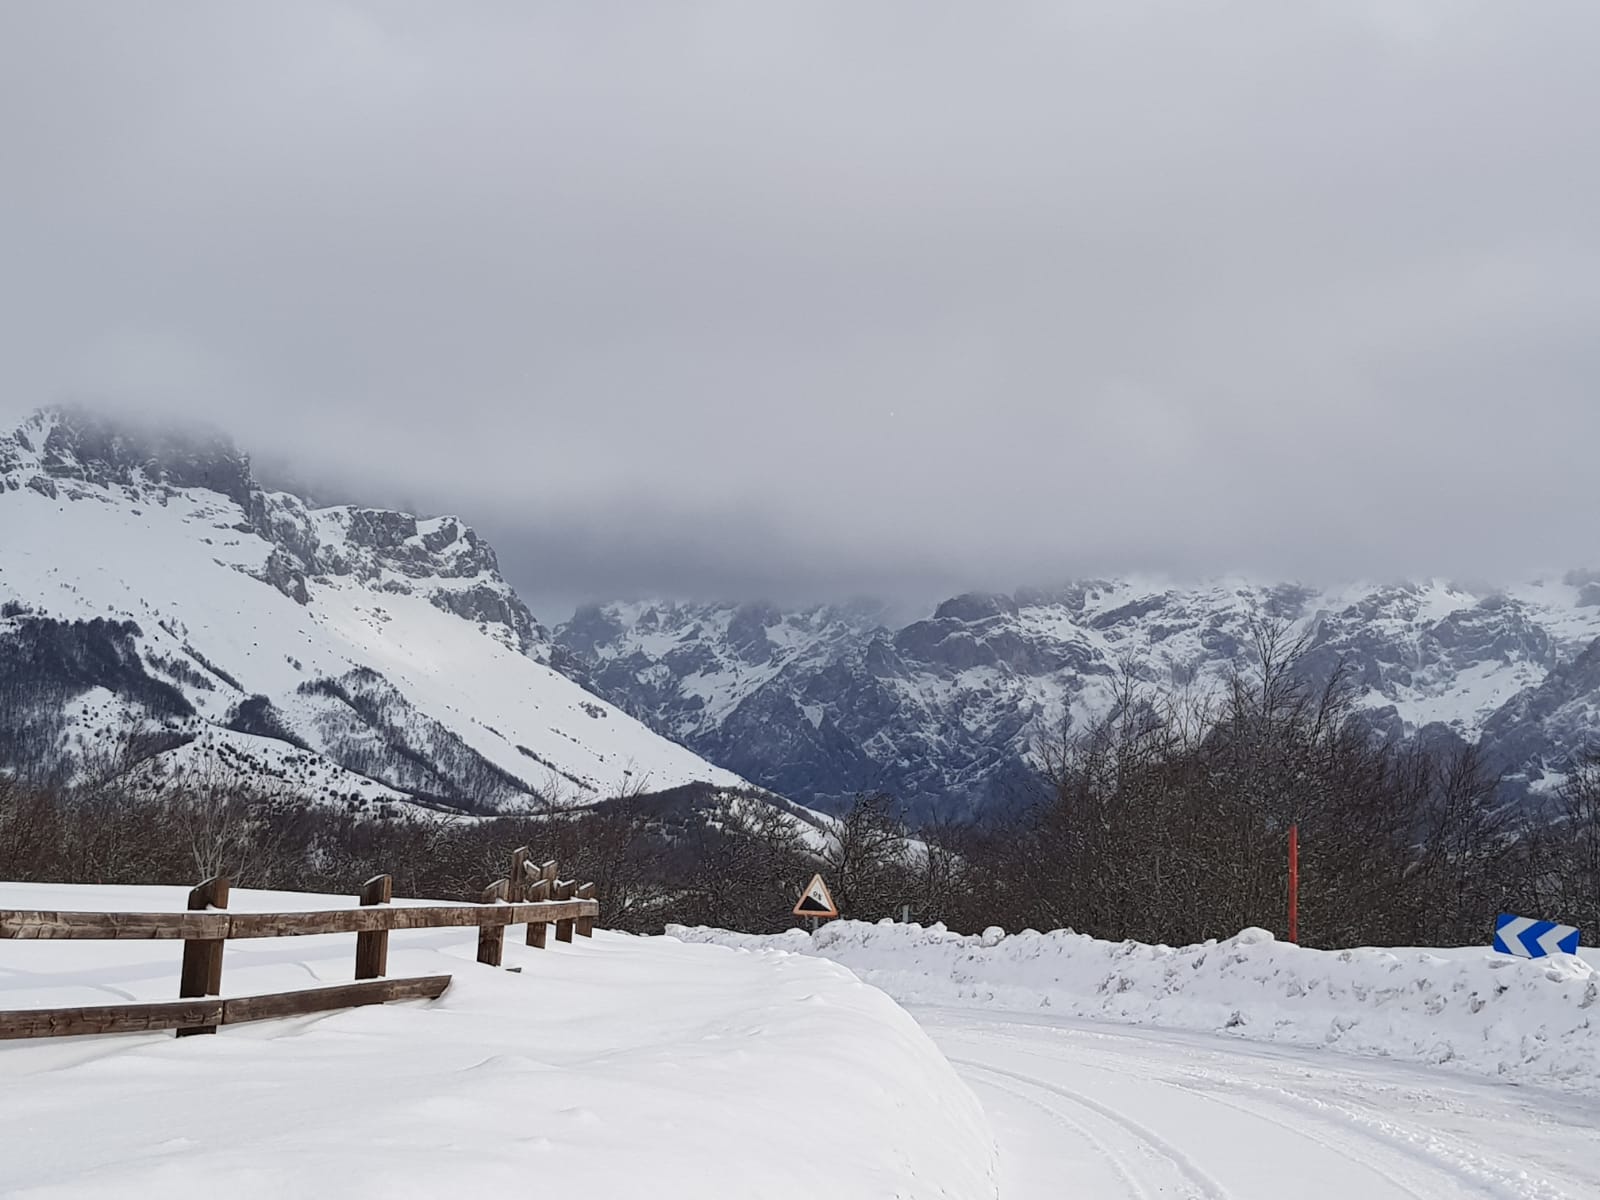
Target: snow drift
1469	1009
623	1067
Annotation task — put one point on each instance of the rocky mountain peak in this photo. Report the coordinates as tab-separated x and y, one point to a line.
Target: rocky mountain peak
975	606
1587	582
67	445
73	453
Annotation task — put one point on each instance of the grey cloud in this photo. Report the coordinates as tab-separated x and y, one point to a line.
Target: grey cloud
833	297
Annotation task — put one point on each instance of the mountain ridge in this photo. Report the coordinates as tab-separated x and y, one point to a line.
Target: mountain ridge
147	582
137	567
947	711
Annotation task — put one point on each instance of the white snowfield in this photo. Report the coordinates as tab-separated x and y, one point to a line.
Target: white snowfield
1078	1051
618	1067
1473	1010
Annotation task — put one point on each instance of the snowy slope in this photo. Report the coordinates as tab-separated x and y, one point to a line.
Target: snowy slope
948	711
383	643
620	1067
1470	1010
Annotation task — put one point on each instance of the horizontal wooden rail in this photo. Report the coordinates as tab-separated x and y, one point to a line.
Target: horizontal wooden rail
209	1013
211	926
531	895
112	926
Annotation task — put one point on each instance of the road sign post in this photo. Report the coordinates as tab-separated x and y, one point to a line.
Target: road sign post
1294	884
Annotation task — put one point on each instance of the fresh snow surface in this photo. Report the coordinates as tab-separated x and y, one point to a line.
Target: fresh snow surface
1088	1110
619	1067
1094	1089
1471	1010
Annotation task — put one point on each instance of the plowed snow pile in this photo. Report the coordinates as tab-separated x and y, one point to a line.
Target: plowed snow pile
1470	1009
619	1067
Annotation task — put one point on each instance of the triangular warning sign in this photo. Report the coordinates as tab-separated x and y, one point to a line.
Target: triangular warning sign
816	900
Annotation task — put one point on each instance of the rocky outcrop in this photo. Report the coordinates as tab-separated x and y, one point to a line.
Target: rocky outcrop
1541	734
77	454
74	444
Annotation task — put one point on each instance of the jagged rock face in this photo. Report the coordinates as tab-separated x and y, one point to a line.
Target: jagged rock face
80	445
948	712
345	653
440	559
1540	735
81	454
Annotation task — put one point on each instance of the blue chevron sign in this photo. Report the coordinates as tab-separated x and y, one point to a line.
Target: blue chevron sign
1527	938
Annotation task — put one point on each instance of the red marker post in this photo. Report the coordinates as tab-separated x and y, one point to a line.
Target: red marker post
1294	884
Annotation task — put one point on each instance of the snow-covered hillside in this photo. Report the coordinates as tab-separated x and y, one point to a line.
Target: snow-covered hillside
947	711
343	653
622	1067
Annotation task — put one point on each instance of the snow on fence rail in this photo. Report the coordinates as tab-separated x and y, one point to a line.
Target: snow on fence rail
529	895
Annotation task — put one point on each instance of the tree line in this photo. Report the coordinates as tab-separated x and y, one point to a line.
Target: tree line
1165	821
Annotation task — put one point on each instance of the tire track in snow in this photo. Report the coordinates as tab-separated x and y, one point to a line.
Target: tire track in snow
1342	1149
1117	1165
1463	1165
1426	1147
1202	1184
1470	1167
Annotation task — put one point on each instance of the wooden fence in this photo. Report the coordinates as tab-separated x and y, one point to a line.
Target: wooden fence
529	895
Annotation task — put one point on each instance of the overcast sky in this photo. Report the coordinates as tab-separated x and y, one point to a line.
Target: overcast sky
809	299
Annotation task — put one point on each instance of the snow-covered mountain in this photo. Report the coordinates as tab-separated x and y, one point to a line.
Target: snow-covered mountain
346	653
362	655
946	712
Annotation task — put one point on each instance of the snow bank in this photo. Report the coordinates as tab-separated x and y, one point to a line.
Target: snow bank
1479	1011
619	1067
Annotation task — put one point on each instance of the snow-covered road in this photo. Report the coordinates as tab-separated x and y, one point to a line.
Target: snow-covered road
1086	1110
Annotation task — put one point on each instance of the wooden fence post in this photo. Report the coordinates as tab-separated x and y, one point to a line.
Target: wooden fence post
586	924
492	938
537	892
564	890
202	959
517	881
372	949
